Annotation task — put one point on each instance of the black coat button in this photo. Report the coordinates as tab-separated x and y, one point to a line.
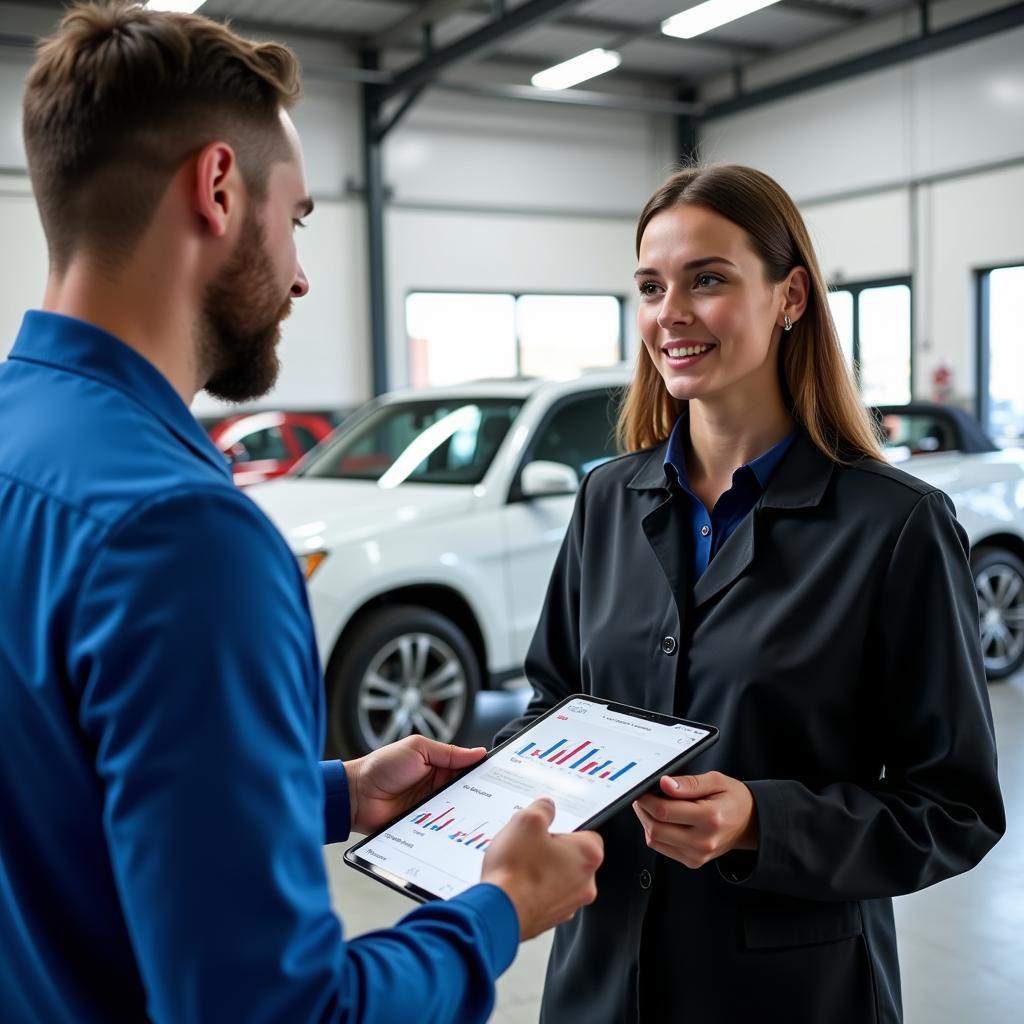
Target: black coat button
668	645
645	879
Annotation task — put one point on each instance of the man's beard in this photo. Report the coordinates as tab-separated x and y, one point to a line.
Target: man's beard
240	321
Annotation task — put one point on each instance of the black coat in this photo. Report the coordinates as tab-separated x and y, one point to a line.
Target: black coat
834	641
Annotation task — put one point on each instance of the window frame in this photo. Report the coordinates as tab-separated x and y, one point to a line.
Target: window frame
983	338
855	288
516	295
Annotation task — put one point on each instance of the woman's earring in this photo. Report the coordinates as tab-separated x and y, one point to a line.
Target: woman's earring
787	324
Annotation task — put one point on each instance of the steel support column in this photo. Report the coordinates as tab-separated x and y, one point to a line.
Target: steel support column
373	174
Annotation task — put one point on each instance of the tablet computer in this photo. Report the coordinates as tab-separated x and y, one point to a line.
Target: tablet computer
591	756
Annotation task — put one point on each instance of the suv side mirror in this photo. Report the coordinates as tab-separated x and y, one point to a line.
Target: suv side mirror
543	479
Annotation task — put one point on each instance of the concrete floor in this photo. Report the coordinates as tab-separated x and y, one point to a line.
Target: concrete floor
961	942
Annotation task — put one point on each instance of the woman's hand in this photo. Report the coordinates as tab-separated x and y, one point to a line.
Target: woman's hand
699	818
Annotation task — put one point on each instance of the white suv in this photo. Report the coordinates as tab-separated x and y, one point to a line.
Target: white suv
427	526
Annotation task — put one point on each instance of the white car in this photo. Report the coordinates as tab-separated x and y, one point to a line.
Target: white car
428	525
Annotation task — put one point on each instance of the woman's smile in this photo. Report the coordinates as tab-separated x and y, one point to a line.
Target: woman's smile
682	354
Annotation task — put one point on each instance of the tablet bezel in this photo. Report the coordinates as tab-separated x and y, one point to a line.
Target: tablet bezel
415	892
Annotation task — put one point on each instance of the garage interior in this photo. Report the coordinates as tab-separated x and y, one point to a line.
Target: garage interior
453	198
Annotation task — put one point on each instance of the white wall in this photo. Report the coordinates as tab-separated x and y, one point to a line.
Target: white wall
885	137
492	196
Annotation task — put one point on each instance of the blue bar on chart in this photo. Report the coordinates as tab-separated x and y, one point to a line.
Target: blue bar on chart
585	757
529	746
552	748
599	768
622	771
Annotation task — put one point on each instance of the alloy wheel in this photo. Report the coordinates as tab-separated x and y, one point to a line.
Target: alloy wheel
415	683
1001	607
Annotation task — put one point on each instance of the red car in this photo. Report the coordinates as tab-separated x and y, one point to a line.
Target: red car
264	445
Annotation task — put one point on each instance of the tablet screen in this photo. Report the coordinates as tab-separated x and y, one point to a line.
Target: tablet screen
584	755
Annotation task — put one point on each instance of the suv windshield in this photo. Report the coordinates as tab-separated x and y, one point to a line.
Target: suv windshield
431	441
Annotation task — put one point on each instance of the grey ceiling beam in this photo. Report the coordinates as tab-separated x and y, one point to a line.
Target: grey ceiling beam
624	32
616	29
17	42
1003	20
475	44
425	14
573	97
839	12
529	62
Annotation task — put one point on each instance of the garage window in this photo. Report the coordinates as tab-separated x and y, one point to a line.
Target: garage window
873	323
460	336
1001	354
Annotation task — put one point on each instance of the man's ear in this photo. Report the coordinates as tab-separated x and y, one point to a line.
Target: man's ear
217	191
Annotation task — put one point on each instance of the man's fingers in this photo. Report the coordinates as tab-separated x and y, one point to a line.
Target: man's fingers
461	757
447	755
544	807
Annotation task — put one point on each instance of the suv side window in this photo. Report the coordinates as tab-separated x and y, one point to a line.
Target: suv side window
918	432
264	444
579	433
305	438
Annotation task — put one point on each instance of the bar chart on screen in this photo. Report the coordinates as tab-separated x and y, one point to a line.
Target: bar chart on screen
585	758
475	837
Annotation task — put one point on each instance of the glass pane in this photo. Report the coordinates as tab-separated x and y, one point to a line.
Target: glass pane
1006	356
264	444
559	335
885	344
455	337
581	433
918	433
437	441
304	437
841	304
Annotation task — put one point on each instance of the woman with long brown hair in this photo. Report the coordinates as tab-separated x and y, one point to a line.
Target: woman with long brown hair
753	562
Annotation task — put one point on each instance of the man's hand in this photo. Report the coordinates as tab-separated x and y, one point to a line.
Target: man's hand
547	877
388	781
700	818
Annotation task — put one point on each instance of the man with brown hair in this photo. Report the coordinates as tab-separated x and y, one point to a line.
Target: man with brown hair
163	810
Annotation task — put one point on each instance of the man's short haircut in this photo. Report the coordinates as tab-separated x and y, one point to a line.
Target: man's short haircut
121	96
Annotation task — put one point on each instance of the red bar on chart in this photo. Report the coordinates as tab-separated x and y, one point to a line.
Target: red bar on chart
441	815
572	753
587	767
604	775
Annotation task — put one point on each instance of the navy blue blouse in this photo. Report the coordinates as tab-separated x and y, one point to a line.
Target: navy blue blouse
709	531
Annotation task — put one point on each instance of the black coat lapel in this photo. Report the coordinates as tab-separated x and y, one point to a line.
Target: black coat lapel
665	525
734	557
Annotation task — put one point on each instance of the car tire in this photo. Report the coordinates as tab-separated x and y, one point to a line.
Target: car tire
403	669
999	581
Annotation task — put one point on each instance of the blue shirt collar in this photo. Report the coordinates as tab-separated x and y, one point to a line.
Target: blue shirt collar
84	349
762	467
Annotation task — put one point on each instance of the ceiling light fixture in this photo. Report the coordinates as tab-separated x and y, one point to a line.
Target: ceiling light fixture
178	6
706	16
577	69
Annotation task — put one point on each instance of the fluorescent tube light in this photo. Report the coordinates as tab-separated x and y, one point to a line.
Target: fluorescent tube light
178	6
706	16
577	69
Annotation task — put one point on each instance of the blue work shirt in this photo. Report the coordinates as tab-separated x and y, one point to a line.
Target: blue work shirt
709	531
162	809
